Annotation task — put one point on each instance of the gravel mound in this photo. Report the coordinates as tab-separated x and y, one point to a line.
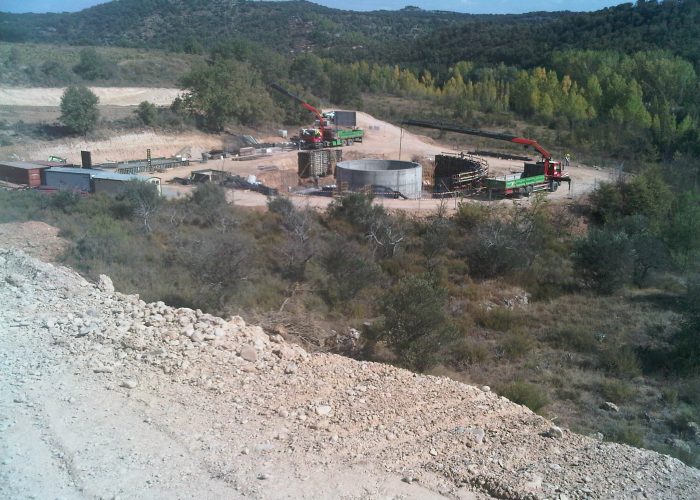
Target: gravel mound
104	395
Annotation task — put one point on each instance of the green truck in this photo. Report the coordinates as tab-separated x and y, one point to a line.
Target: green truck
520	183
344	137
546	174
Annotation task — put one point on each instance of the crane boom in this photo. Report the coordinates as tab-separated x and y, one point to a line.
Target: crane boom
482	133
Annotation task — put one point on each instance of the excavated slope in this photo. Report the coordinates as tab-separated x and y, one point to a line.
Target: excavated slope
105	396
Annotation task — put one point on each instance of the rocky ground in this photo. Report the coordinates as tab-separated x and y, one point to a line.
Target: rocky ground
105	396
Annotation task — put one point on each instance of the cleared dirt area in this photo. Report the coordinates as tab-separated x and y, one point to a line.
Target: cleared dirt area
109	96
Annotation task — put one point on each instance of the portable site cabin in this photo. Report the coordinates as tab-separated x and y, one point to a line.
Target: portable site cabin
90	180
21	172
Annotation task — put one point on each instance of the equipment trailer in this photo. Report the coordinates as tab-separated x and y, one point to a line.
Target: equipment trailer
546	174
323	136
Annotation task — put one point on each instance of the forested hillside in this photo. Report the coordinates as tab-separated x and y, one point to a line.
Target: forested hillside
627	28
196	25
410	36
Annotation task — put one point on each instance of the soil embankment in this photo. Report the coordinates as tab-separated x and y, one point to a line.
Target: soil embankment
106	396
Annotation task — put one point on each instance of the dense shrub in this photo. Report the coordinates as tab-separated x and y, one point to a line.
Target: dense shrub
498	318
147	113
578	338
516	345
79	109
467	352
685	355
92	66
604	260
617	391
414	320
621	360
525	394
626	433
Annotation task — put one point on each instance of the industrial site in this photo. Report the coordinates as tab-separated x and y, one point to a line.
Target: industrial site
401	167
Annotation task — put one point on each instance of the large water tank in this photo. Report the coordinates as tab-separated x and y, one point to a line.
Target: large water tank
404	177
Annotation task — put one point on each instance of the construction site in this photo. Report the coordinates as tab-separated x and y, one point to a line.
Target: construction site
399	167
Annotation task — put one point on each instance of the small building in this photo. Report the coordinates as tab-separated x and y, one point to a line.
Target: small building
22	172
70	179
90	180
113	183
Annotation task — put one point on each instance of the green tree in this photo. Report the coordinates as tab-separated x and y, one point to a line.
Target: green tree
307	70
79	109
224	92
682	233
344	87
147	113
143	200
415	322
211	206
604	260
686	342
92	66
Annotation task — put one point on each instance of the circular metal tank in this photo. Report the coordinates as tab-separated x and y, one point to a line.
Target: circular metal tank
404	177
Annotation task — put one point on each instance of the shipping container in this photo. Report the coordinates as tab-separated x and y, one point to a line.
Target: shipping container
20	172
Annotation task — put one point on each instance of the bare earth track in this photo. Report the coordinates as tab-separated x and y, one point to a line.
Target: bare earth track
105	396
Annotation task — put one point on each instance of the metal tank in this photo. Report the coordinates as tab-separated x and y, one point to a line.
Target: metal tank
404	178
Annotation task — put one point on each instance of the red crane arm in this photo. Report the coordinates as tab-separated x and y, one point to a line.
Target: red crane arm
531	142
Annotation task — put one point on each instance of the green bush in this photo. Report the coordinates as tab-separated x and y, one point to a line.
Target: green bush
415	323
516	345
498	318
525	394
92	66
685	353
467	352
604	260
349	268
626	433
106	240
621	360
210	204
578	338
680	420
569	394
496	248
617	391
471	215
20	205
147	113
